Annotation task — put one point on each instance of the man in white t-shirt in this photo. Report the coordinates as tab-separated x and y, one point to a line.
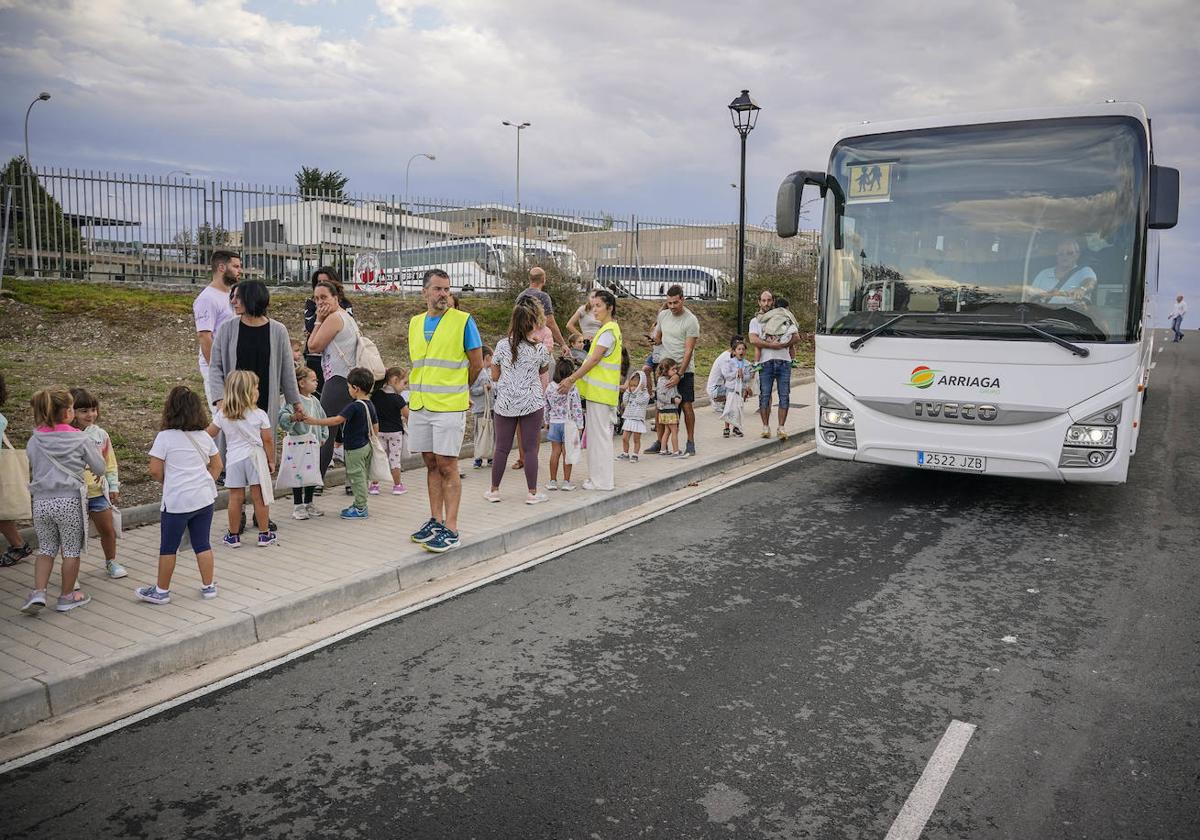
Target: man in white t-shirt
1177	313
677	329
212	307
774	367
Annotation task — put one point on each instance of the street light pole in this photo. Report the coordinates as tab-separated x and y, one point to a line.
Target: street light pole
519	128
400	228
744	112
29	211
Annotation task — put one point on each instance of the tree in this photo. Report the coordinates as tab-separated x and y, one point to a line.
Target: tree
211	236
315	184
55	232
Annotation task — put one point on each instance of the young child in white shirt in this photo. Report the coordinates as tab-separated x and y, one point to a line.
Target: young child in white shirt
250	455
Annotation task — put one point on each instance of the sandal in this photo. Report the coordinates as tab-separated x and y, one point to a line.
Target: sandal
519	465
15	555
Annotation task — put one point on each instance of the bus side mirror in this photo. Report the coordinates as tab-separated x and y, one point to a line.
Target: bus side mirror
1164	197
788	202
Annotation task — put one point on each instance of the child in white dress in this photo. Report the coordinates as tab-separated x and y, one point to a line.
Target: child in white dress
637	399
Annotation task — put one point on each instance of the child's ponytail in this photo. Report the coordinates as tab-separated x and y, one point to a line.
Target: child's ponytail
50	406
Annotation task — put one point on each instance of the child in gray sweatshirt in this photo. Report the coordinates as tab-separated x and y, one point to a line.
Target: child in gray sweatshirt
58	452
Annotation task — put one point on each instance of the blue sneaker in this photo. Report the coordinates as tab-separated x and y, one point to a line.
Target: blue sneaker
353	512
426	532
232	540
443	540
151	595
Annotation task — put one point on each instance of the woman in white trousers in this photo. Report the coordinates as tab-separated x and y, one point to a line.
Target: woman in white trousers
600	415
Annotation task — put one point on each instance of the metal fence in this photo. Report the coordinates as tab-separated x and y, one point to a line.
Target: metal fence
103	226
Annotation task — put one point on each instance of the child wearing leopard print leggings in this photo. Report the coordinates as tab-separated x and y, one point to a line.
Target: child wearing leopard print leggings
58	452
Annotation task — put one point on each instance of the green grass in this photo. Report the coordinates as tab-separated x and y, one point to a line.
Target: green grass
95	298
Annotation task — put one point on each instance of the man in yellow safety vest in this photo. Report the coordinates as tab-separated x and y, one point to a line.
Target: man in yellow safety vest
447	354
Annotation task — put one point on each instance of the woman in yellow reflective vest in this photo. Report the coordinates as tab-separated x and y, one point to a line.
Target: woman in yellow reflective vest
599	382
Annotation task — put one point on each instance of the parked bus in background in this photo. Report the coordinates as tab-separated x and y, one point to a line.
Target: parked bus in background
652	281
986	290
475	265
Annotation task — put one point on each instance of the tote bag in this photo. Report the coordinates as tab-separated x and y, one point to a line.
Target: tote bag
14	483
300	463
485	429
572	443
379	470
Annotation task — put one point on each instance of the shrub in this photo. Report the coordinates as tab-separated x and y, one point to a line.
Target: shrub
564	291
796	284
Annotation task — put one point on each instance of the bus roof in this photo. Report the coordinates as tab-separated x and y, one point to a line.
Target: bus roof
1099	109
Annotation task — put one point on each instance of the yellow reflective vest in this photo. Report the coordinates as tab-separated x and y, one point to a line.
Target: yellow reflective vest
440	368
602	383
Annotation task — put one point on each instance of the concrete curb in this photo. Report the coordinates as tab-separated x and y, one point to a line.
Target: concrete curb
32	700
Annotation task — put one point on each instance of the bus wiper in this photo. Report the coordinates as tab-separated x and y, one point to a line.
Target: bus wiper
1082	352
869	334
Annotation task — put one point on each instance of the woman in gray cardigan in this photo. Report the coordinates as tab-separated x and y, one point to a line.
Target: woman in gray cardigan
254	342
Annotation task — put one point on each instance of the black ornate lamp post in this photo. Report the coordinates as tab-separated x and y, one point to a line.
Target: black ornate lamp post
744	111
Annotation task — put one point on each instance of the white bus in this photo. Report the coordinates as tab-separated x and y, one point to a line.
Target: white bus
986	290
473	264
652	281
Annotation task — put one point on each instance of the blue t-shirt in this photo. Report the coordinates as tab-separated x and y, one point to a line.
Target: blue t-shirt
471	337
355	432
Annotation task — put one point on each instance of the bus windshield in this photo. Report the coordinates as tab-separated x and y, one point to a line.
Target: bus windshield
975	230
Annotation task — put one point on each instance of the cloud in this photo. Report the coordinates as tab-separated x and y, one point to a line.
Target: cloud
627	99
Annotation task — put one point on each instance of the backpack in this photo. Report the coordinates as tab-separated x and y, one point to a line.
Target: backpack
366	353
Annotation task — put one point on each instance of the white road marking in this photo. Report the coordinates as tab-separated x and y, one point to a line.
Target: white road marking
233	679
910	822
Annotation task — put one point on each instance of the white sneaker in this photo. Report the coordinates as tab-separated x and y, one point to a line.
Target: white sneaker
536	498
552	484
783	435
492	495
313	510
566	486
300	511
622	456
766	432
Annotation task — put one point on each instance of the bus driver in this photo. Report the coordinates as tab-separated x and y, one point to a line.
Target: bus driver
1066	281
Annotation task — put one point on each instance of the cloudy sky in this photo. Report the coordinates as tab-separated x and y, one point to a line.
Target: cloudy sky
627	98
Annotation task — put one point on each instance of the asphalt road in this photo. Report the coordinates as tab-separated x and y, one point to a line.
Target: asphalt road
778	660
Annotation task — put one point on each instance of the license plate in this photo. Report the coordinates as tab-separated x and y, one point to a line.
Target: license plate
951	461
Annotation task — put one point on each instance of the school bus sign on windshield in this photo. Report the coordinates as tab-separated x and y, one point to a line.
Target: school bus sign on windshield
869	182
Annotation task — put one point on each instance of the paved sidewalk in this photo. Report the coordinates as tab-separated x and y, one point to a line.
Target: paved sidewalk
60	661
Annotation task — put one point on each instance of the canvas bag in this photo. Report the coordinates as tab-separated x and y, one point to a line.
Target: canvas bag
572	442
15	501
300	462
485	429
366	353
378	470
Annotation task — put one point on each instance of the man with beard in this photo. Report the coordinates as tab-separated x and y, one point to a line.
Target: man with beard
213	308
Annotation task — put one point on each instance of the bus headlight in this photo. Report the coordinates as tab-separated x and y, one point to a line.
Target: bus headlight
839	417
833	413
1103	437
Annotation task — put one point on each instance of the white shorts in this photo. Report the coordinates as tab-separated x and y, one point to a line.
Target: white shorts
439	432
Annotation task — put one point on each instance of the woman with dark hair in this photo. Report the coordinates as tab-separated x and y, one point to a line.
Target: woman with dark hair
335	337
256	343
599	382
517	364
329	275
